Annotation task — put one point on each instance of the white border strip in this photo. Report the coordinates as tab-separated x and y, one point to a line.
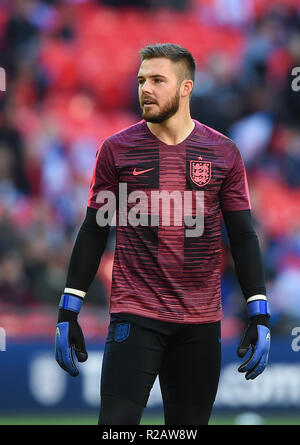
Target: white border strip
79	293
257	297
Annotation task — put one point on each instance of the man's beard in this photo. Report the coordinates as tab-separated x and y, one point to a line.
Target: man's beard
165	113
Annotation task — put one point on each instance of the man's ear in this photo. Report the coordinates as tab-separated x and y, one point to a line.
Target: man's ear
187	87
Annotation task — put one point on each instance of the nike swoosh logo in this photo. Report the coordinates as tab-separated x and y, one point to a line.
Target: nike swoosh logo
135	173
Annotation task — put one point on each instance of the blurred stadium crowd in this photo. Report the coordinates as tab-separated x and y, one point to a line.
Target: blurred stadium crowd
71	82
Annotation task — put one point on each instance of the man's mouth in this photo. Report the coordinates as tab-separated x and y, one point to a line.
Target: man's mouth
148	102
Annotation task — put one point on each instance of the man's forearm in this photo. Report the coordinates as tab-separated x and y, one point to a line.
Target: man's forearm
248	264
246	253
86	255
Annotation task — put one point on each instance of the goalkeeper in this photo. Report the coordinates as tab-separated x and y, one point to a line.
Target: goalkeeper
165	303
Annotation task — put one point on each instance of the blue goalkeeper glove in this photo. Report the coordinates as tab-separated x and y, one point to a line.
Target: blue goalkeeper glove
257	336
69	338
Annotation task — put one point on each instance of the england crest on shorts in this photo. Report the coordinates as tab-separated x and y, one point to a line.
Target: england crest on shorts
122	332
200	172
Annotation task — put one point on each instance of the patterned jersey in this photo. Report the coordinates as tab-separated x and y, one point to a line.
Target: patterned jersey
162	269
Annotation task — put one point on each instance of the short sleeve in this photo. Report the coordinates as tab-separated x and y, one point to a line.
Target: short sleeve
234	190
105	175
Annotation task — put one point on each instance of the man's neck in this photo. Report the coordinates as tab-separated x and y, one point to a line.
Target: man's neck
172	132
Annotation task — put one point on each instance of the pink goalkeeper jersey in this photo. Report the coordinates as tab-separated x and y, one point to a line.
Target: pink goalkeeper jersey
159	272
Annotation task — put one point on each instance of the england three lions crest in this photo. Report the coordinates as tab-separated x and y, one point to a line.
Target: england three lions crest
200	172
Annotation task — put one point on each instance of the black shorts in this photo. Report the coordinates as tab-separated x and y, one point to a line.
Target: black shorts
186	357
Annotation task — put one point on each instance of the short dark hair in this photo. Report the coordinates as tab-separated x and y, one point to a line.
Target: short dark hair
176	53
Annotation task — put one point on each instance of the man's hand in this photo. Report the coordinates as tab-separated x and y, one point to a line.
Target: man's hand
257	336
69	338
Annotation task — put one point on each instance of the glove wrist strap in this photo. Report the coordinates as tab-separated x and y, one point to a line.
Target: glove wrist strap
70	302
258	307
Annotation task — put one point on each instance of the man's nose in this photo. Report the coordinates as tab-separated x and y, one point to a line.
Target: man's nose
146	87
